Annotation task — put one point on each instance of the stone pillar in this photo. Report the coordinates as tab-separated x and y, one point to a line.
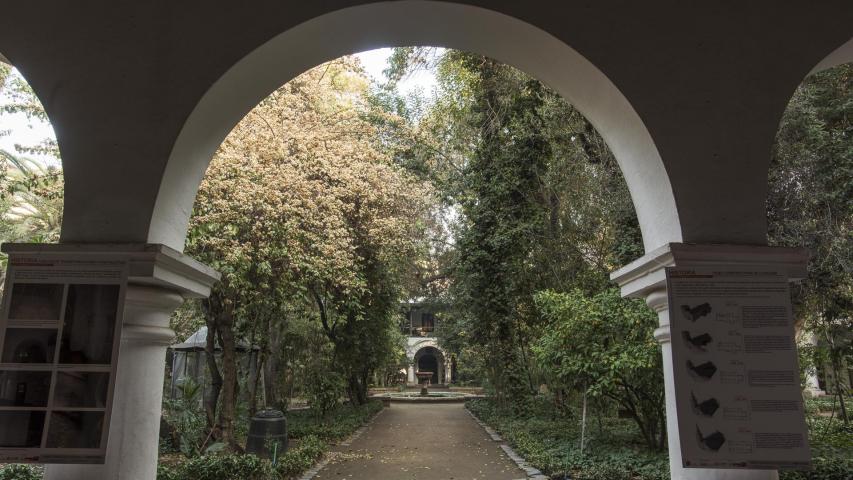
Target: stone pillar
812	383
448	372
159	280
411	379
646	278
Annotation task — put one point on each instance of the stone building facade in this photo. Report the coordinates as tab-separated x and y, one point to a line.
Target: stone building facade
422	349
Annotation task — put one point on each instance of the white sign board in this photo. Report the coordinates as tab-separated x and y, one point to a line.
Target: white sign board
737	384
59	339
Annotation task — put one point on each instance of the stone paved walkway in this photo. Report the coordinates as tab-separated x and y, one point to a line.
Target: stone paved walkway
424	442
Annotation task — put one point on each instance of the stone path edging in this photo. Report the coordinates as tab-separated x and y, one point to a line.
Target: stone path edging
324	460
310	473
533	473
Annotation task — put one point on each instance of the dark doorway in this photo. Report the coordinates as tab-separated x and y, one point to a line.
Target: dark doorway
428	363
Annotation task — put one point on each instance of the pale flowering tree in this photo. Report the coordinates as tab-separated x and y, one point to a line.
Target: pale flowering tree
303	204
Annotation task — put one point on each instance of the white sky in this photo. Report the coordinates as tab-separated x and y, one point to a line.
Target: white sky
24	131
32	131
375	61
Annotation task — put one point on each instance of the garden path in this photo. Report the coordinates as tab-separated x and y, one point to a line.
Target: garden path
421	441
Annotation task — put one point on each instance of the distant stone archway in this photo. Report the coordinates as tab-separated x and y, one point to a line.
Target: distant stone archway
428	361
431	359
418	348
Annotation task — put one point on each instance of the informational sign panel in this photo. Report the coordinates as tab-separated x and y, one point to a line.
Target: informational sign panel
737	384
59	341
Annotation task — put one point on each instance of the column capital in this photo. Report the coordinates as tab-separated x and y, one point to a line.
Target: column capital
146	315
646	275
150	264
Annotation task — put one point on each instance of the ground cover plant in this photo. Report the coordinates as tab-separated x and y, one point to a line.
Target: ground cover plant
309	432
336	426
550	440
246	467
614	448
20	472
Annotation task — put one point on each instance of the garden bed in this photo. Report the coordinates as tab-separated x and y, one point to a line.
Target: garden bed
309	437
615	451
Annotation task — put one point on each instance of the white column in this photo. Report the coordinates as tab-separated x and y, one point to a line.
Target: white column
411	378
159	279
646	278
812	383
135	424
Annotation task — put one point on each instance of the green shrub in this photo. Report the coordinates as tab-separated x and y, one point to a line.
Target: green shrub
310	432
323	391
825	404
242	467
823	468
831	442
300	458
549	441
219	467
186	424
335	425
20	472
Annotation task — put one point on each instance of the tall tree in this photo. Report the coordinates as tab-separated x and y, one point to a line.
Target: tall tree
538	199
809	205
502	219
20	98
31	191
302	210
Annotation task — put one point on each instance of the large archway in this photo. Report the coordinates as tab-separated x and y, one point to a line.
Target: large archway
430	359
474	29
106	216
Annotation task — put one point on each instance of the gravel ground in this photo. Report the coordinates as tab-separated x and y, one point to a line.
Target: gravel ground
423	442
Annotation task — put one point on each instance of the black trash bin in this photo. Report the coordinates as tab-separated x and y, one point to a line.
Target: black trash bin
267	434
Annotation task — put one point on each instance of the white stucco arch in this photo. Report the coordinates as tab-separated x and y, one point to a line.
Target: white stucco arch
416	348
415	345
841	55
405	23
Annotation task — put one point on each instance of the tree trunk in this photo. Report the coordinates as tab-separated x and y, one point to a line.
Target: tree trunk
271	387
211	401
227	413
356	390
839	384
365	376
528	374
273	373
256	381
